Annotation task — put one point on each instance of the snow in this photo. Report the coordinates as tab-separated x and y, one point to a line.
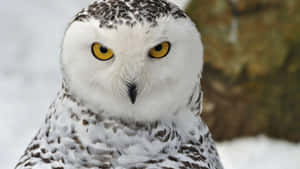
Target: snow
233	34
31	32
259	153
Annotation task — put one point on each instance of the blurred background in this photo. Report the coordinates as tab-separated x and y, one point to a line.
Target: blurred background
252	71
251	77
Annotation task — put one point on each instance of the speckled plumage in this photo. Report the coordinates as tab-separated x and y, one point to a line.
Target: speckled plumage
75	137
79	135
112	13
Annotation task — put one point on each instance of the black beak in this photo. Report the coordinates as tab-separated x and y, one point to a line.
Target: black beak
132	92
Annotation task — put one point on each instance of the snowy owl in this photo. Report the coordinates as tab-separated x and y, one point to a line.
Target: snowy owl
131	94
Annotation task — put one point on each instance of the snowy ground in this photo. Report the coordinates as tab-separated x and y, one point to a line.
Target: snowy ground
259	153
30	35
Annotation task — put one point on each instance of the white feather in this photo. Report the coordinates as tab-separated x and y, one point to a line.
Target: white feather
164	85
181	3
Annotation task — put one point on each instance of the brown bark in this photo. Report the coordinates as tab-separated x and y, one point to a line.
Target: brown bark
252	66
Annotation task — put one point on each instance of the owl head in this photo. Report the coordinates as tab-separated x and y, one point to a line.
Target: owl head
137	59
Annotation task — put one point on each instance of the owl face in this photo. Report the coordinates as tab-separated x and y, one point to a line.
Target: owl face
141	71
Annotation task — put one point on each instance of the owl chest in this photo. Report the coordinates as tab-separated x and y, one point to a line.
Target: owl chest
119	151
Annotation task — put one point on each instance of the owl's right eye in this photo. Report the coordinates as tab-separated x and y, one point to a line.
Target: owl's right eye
160	50
101	52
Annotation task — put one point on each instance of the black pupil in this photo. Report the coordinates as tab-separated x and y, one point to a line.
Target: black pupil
158	48
103	49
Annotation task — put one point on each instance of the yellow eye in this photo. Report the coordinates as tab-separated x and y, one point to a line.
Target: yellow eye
101	52
160	50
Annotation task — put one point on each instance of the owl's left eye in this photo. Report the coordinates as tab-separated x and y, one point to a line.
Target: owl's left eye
101	52
161	50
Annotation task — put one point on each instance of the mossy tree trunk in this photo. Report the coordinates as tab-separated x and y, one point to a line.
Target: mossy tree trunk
252	66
